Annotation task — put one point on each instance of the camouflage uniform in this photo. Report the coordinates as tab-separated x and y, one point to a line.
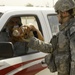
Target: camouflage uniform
72	49
62	53
63	47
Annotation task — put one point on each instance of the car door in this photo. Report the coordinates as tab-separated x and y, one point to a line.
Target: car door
27	61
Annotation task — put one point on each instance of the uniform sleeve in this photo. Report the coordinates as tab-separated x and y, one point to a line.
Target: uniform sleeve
72	35
36	44
72	41
72	49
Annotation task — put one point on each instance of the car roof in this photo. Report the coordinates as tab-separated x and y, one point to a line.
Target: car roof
4	9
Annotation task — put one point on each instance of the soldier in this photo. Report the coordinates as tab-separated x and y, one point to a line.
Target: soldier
62	45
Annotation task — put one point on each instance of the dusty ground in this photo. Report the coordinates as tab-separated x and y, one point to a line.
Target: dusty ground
46	72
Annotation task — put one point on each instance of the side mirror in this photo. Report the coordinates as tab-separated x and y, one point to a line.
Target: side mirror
6	49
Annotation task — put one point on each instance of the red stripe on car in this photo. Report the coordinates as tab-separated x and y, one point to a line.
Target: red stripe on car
10	68
31	70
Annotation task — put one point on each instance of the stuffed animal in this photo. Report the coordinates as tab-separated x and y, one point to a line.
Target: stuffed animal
20	33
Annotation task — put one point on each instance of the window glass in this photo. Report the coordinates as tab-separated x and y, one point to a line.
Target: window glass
29	20
54	24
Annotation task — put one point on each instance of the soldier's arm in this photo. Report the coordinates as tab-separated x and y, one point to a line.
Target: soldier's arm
39	45
72	41
72	35
72	49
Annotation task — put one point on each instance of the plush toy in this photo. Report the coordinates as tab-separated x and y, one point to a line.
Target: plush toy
20	33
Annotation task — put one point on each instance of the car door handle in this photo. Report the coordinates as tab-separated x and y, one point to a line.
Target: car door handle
43	63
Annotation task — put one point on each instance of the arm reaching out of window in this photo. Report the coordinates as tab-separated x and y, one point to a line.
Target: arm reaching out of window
36	32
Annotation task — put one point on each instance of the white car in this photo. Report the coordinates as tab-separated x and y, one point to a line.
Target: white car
30	63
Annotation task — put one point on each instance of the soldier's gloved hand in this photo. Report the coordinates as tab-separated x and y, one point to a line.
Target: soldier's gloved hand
26	40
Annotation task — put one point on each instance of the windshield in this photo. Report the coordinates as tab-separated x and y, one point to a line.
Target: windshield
54	24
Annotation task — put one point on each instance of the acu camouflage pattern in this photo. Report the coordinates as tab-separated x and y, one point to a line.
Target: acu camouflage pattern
59	61
50	58
72	46
62	51
35	43
64	5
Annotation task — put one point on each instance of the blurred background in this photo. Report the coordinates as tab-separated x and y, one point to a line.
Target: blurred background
28	3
